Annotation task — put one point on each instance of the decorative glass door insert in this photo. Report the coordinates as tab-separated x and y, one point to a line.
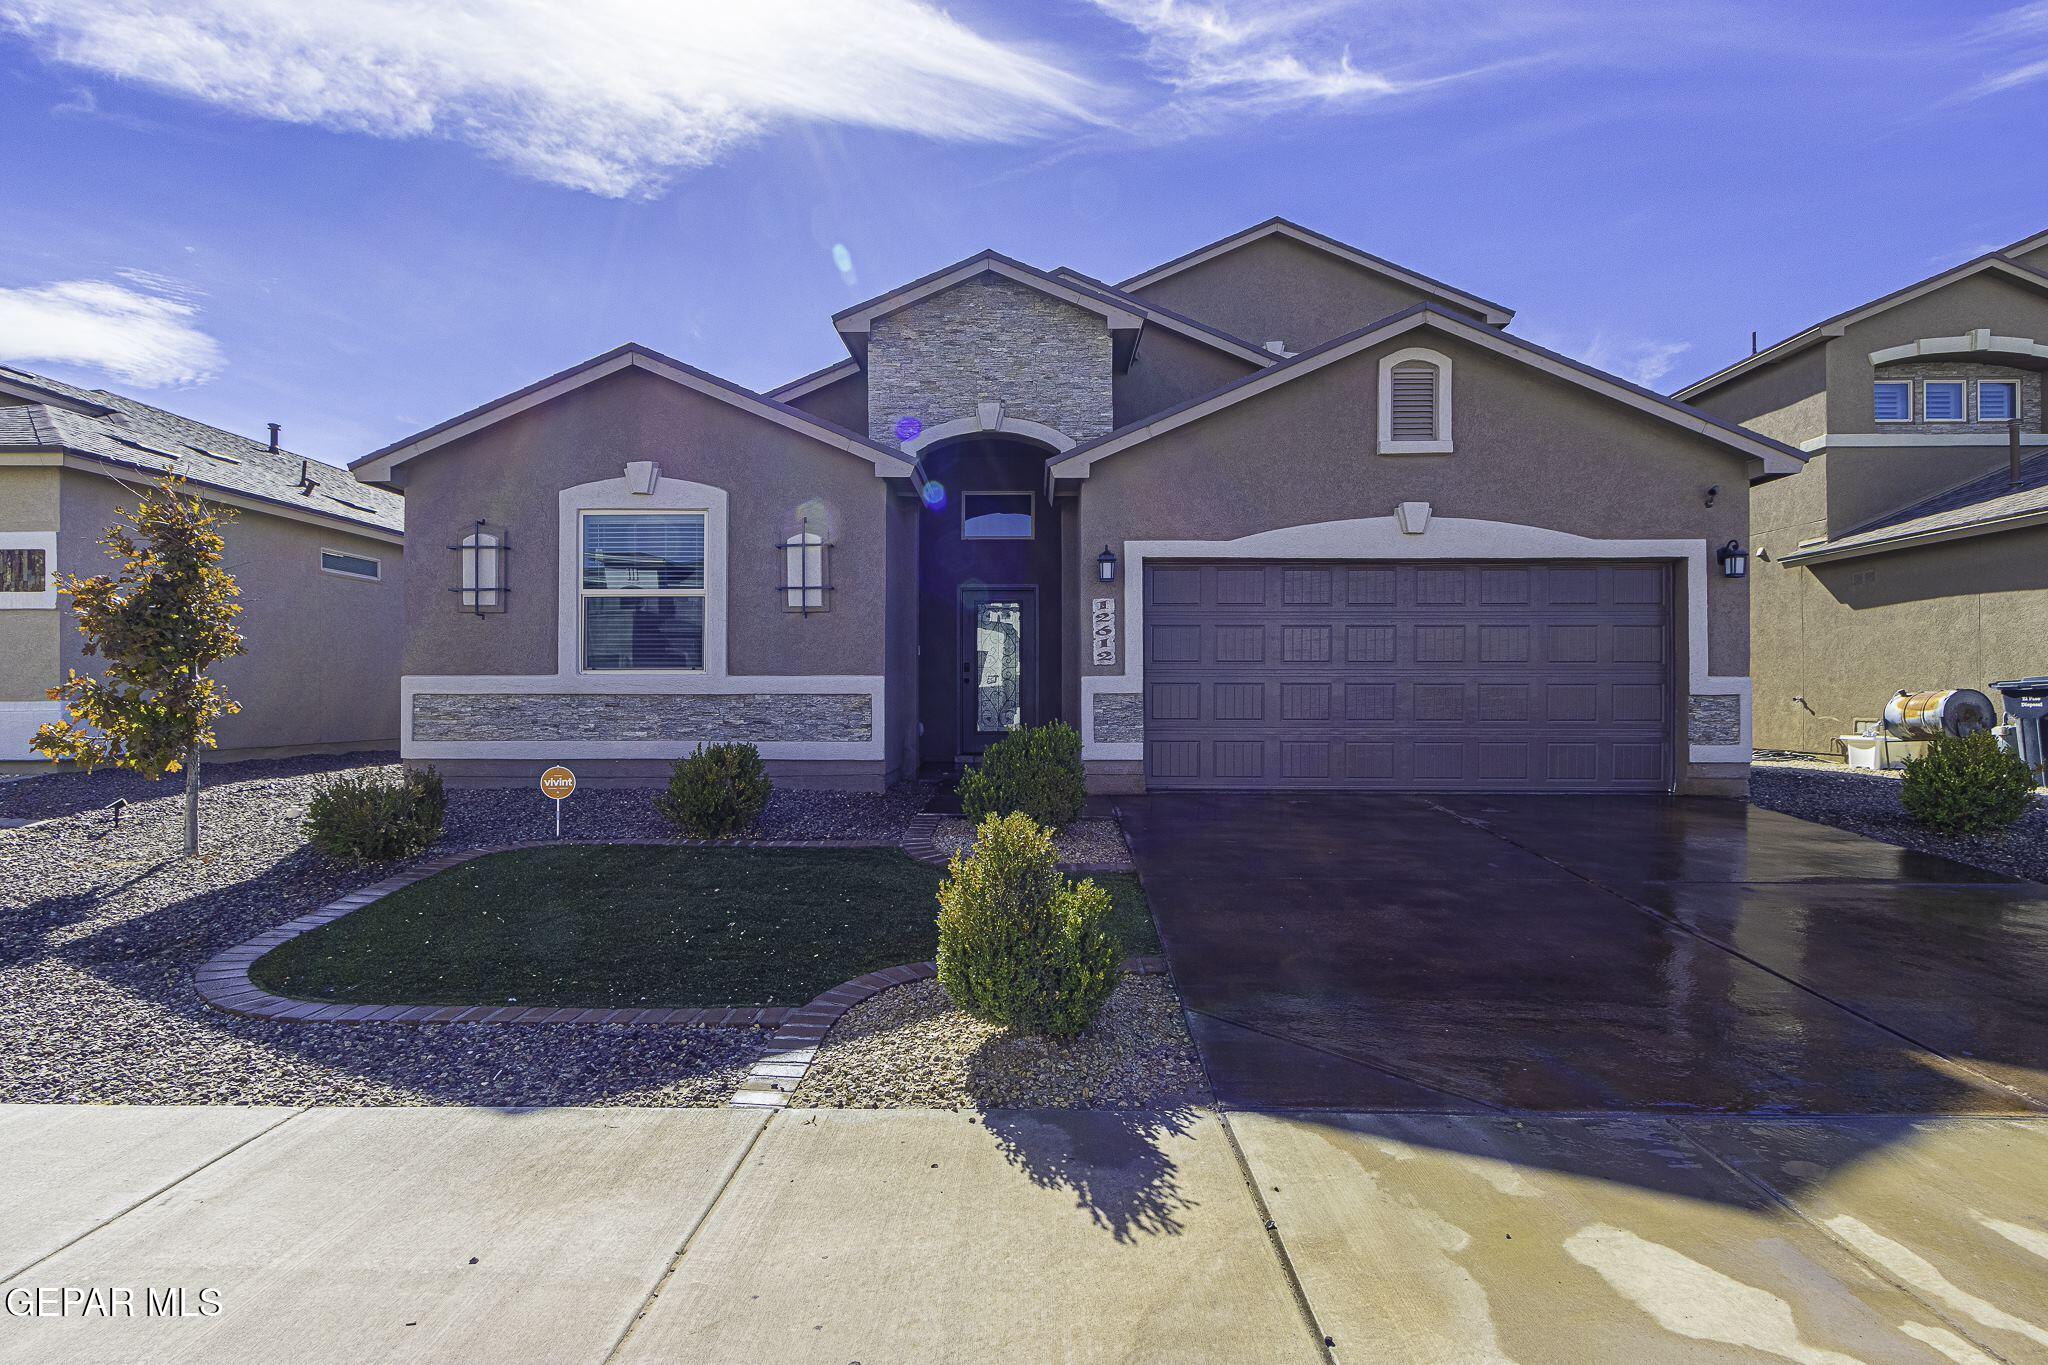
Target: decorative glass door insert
999	671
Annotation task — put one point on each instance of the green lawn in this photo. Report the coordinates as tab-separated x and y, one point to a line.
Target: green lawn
624	925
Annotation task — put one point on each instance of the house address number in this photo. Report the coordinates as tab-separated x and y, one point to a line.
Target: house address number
1105	631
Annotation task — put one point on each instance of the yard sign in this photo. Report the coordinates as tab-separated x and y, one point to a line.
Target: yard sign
556	784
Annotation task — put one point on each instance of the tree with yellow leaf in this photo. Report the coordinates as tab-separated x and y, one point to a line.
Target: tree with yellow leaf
166	617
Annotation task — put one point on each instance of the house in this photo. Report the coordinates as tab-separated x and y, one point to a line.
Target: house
1276	514
1912	551
316	553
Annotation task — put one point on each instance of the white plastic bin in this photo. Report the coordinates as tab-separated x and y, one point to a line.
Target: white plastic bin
1880	753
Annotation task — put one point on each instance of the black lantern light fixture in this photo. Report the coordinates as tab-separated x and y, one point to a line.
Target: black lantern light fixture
1105	565
1734	560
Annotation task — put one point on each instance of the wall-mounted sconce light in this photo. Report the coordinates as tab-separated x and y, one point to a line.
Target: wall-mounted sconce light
1734	560
1105	565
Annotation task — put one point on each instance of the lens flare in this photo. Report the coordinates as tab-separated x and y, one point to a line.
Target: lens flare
842	261
934	494
908	429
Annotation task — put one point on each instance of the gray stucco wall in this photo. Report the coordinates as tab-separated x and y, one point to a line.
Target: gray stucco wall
990	339
322	664
1277	289
510	474
1786	401
842	403
29	637
1169	369
1529	449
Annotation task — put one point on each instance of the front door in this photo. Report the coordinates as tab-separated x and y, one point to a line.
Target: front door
998	664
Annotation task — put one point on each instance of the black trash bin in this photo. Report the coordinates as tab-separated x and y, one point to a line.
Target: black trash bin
2026	707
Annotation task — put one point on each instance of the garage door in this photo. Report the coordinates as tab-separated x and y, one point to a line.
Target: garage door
1433	676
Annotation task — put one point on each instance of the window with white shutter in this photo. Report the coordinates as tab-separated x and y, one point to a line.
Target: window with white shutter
1415	403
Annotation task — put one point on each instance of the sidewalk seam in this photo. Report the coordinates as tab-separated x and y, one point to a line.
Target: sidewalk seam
732	1172
1323	1342
165	1188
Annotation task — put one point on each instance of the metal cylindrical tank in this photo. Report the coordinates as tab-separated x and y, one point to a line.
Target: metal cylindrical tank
1929	715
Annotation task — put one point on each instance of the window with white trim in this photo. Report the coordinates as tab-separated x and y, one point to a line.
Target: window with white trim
350	566
1415	403
1941	400
642	587
1892	400
1998	400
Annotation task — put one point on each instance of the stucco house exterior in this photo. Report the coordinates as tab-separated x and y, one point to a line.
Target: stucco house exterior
1278	514
318	557
1909	553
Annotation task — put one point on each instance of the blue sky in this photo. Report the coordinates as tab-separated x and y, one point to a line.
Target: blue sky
360	219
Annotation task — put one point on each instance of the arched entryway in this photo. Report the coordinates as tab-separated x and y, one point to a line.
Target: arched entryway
991	593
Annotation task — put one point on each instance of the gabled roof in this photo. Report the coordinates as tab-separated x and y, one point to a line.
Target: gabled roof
1776	457
853	323
377	466
2026	244
1983	506
1172	321
113	430
1493	313
815	380
1995	262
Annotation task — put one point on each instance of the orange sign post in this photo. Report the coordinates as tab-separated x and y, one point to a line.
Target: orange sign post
556	784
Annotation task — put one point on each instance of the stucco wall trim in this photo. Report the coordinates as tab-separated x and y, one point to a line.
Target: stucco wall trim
1880	439
46	541
1981	340
617	495
1368	538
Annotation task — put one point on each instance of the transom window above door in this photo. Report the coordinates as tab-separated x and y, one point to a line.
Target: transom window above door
995	516
642	589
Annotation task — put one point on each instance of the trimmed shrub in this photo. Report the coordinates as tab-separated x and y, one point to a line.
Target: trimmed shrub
1034	771
1019	944
1971	785
717	792
376	819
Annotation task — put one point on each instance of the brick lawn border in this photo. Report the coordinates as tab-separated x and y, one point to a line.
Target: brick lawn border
794	1045
223	980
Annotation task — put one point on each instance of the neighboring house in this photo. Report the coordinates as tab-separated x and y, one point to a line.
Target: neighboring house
316	554
1417	553
1906	555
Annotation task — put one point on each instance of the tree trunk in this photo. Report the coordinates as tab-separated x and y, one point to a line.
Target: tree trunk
192	802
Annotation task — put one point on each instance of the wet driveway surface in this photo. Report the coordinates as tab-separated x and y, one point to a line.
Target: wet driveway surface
1484	954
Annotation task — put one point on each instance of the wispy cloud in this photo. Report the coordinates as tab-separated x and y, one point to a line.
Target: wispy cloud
141	329
1640	360
610	96
2020	37
1258	57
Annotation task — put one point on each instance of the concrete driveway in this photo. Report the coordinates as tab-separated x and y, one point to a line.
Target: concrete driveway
1479	955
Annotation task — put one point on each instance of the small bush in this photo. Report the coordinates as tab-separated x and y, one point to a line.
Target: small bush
717	792
1019	944
1035	771
1972	785
375	819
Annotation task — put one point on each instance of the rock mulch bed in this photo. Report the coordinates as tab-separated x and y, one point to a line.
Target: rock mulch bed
1867	803
103	923
910	1048
1096	844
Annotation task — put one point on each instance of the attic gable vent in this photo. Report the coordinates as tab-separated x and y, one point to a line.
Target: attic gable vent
1414	415
1415	403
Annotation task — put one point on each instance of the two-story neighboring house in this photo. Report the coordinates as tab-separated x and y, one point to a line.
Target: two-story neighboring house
1912	551
316	554
1278	514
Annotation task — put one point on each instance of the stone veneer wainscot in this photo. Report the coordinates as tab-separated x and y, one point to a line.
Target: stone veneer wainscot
556	716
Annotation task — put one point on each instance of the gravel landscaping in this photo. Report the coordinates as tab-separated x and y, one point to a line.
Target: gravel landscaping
908	1048
1089	843
102	922
1867	803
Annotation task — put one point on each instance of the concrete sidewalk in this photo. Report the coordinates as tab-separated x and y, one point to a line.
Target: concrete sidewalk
601	1235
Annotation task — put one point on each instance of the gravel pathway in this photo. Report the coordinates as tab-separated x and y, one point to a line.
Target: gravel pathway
1867	803
1091	843
101	924
908	1048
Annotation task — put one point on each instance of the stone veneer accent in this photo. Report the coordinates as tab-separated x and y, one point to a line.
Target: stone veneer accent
1714	720
564	716
1119	717
1917	370
990	339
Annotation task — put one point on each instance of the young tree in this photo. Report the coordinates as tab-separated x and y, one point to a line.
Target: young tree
160	623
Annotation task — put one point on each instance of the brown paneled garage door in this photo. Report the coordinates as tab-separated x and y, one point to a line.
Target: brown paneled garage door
1502	676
